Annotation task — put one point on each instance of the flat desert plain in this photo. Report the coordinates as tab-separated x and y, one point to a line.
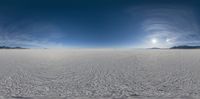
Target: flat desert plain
99	74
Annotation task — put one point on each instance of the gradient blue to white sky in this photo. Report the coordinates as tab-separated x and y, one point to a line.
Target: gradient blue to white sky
99	23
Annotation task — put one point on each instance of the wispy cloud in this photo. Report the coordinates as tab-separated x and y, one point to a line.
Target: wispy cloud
175	23
171	25
30	34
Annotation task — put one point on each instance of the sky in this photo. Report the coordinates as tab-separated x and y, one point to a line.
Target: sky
99	23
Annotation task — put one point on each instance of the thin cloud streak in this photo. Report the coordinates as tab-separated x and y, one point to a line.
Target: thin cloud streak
178	24
30	34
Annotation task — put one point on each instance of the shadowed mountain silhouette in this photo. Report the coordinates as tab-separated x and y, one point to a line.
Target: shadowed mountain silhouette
155	48
7	47
185	47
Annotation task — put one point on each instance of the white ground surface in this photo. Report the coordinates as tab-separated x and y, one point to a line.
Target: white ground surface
100	74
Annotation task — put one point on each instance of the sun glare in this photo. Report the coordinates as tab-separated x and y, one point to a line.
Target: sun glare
154	41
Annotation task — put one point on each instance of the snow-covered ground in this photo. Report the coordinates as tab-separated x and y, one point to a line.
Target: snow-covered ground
99	74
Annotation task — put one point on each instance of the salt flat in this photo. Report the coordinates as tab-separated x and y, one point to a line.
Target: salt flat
99	74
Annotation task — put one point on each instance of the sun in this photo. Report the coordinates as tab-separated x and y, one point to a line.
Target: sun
168	40
154	41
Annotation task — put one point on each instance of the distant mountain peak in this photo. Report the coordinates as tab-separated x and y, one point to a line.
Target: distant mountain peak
185	47
155	48
8	47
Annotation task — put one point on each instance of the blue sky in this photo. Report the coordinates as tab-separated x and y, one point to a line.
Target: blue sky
103	23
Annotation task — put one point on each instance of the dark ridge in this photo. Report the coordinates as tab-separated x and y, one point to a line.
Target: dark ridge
185	47
155	48
7	47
